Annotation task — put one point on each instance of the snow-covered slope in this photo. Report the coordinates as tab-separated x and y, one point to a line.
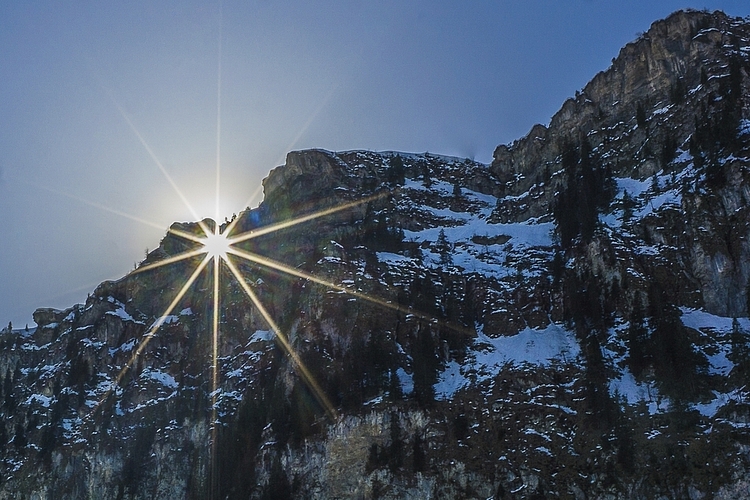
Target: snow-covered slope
569	321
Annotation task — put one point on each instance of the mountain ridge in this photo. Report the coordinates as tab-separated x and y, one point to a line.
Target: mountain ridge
567	321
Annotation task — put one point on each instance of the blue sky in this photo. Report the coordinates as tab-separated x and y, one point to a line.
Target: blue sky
454	78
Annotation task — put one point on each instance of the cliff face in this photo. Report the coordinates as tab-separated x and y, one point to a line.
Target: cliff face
569	321
684	72
674	56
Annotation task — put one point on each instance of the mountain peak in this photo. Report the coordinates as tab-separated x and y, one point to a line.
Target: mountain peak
397	325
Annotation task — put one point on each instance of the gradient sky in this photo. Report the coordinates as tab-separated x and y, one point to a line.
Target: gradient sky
77	183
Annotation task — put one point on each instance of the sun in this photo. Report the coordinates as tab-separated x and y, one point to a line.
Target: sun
216	244
219	248
220	252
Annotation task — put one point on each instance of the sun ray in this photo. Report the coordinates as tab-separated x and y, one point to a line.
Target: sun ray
170	260
151	332
215	372
310	120
189	236
282	339
158	163
301	132
254	233
95	204
278	266
218	117
160	321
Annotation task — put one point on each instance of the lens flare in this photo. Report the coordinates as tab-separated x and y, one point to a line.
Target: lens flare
216	245
218	248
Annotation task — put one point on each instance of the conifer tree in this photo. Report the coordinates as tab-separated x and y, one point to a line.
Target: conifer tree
678	367
19	440
278	486
396	448
443	246
627	206
394	386
9	398
425	364
589	188
640	117
418	460
637	340
740	354
396	173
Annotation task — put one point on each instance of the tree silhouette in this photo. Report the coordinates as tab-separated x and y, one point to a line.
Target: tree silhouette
443	246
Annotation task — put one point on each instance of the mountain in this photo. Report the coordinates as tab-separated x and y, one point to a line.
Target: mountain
567	321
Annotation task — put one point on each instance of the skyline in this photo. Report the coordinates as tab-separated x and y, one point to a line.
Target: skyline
96	97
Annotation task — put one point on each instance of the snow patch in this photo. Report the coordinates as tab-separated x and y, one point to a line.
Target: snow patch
633	392
164	379
489	355
165	320
43	400
392	258
710	408
121	313
698	319
406	381
634	187
261	336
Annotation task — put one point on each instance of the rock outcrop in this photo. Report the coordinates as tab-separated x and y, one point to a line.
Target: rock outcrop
568	321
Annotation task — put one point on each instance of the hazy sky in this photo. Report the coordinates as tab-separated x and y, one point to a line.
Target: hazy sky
78	79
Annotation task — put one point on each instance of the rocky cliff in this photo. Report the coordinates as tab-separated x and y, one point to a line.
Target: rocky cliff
568	321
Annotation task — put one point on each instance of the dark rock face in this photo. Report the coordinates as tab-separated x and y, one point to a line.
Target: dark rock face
569	321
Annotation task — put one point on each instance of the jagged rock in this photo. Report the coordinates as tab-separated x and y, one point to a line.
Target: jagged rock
522	329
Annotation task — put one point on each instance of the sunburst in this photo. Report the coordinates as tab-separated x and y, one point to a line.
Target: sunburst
219	248
216	249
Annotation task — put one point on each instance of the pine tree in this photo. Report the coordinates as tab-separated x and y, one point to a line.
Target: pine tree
278	487
19	440
740	354
418	463
668	149
637	340
9	398
589	188
394	386
678	367
640	117
396	448
677	91
443	246
425	364
627	206
655	188
396	173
